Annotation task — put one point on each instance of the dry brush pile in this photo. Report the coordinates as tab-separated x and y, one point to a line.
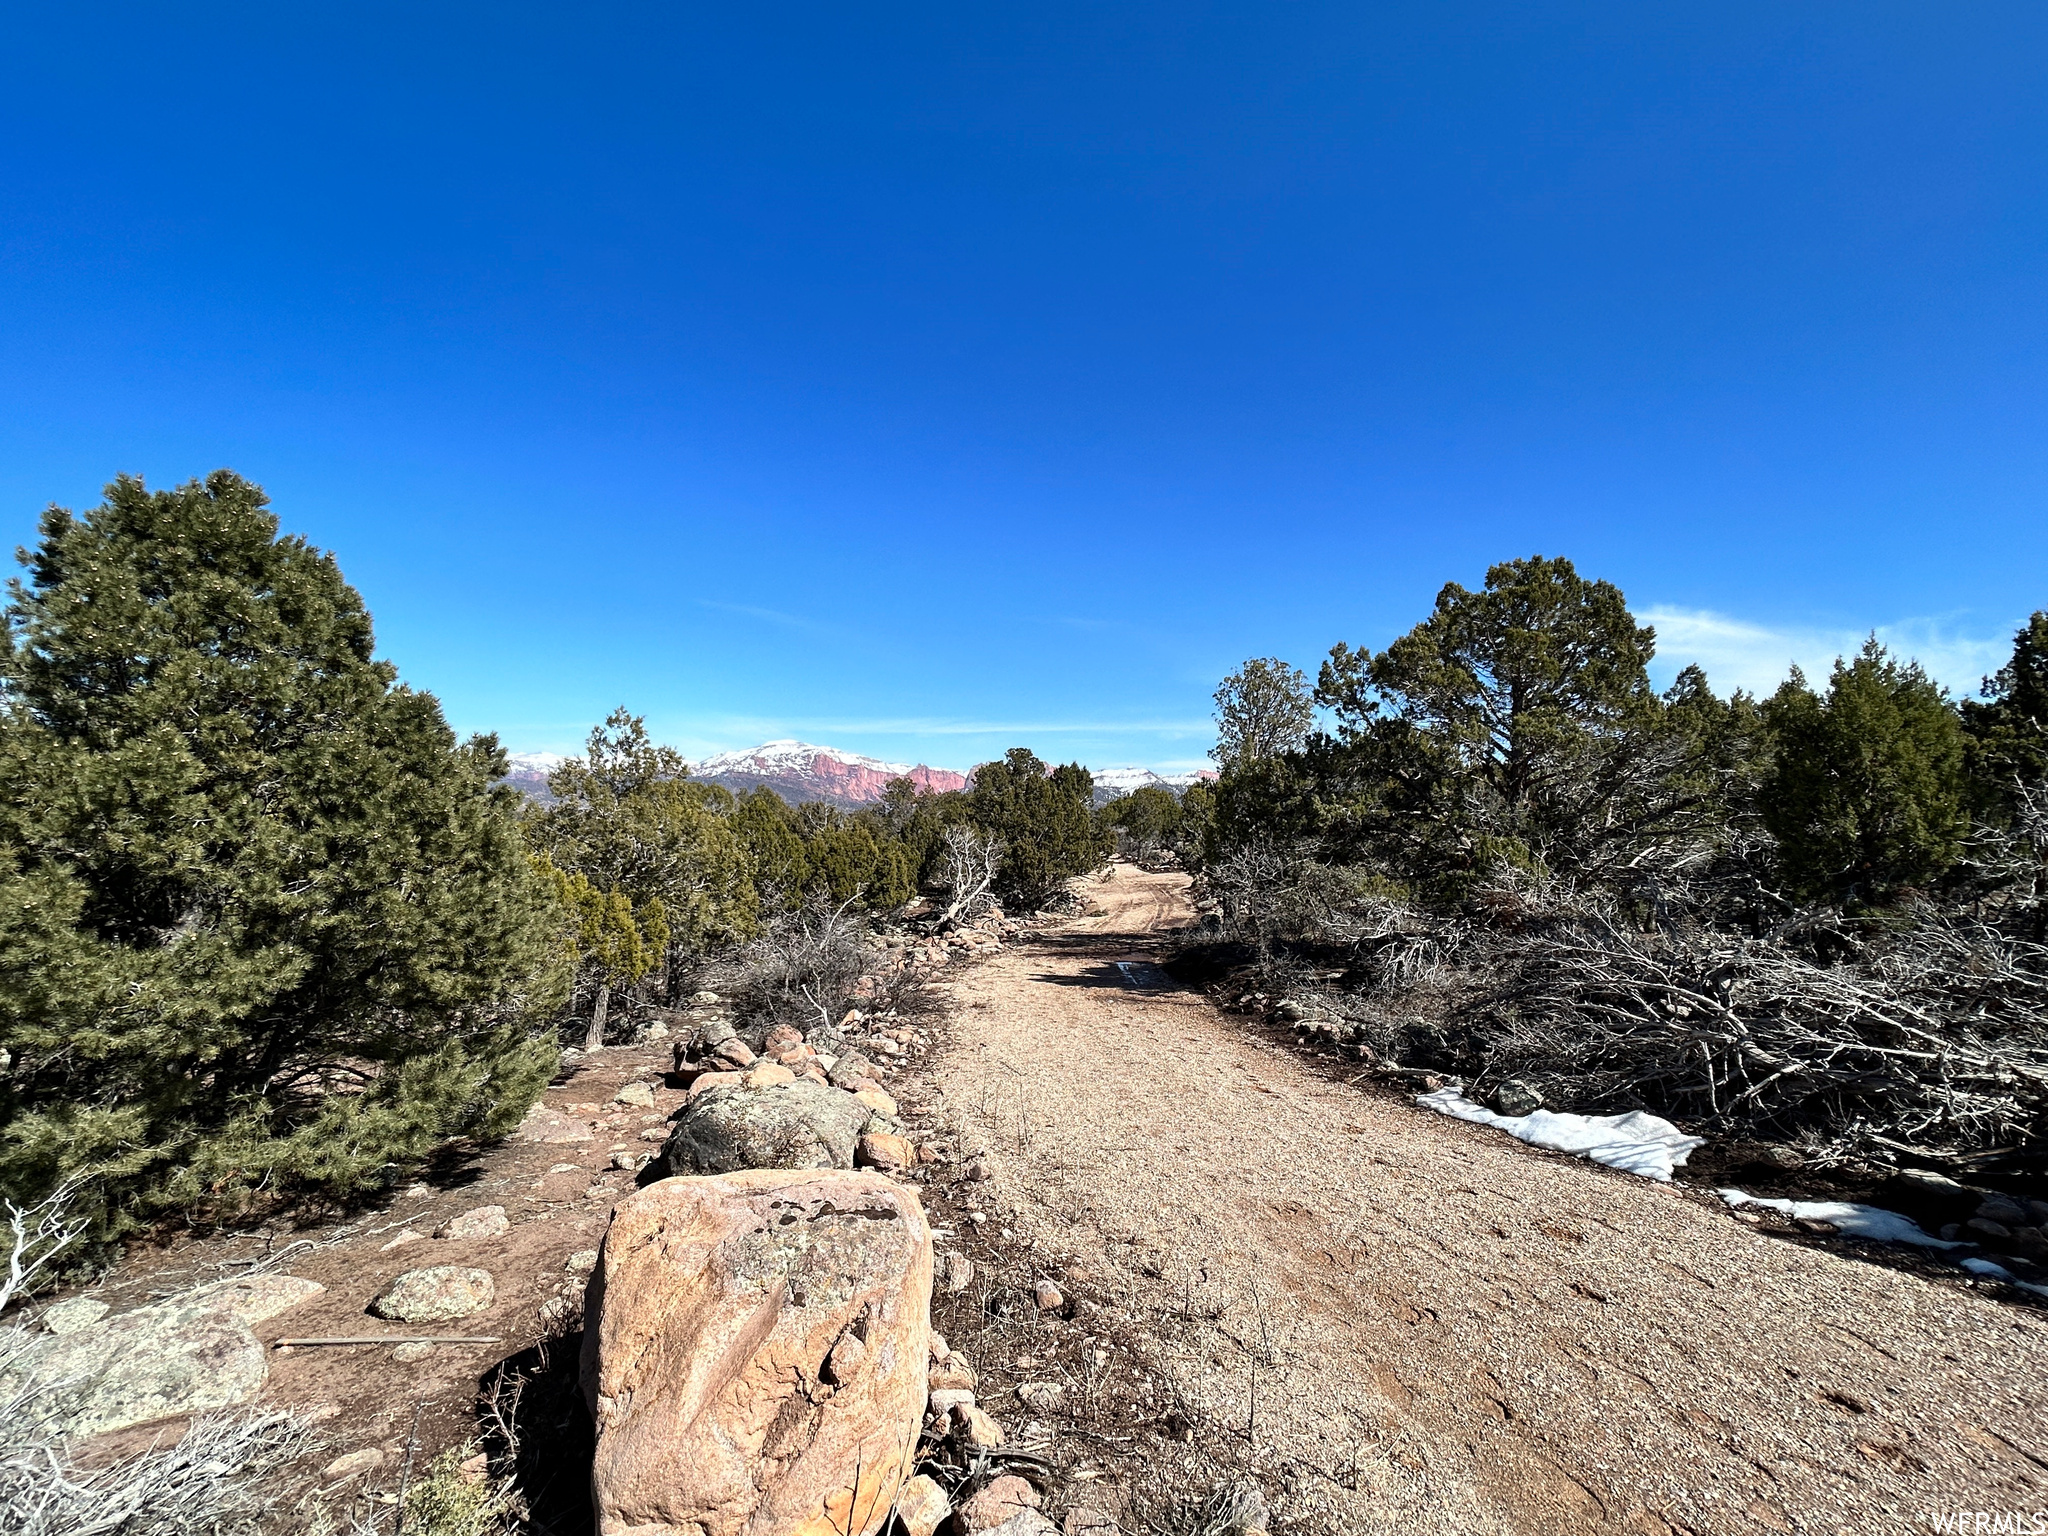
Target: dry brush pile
1923	1030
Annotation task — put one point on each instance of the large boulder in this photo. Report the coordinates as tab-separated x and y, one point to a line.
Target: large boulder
798	1124
755	1354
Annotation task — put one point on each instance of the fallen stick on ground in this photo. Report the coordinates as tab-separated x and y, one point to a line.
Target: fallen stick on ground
392	1338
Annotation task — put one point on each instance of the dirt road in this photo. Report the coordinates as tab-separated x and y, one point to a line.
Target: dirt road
1444	1330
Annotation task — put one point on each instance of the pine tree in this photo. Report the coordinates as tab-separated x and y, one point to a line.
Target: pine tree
1866	791
607	939
1263	709
263	921
626	818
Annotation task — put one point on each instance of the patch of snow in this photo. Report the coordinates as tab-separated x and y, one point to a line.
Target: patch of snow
537	762
1999	1272
1635	1142
1879	1225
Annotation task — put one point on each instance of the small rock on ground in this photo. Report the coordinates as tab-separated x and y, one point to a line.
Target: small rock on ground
1236	1508
976	1427
484	1221
551	1127
439	1293
1026	1522
1515	1097
883	1152
922	1506
354	1462
997	1503
1041	1396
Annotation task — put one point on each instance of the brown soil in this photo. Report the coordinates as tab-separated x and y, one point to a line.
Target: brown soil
1403	1322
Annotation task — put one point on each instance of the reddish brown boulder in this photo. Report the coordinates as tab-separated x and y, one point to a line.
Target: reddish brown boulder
922	1506
879	1150
710	1080
756	1354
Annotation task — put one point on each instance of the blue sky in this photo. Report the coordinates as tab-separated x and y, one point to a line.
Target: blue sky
931	379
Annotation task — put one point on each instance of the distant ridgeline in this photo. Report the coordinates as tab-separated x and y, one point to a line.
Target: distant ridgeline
801	773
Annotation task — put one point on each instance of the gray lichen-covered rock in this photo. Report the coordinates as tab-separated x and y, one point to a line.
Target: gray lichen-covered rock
186	1355
145	1365
484	1221
249	1300
1236	1508
851	1070
800	1124
439	1293
73	1316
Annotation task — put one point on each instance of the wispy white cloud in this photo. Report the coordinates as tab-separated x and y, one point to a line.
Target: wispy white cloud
774	616
1736	653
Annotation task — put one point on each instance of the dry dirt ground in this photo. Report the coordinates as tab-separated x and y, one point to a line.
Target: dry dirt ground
1404	1322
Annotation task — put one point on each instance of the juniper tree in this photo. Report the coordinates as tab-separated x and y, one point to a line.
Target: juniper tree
848	862
1046	820
1866	791
921	819
1149	815
766	827
2008	728
263	920
606	939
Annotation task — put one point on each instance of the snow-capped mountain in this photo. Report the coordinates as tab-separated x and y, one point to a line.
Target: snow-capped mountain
1121	781
1112	782
799	771
530	772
